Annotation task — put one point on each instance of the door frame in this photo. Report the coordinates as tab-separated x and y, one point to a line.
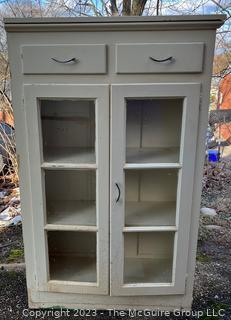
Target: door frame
100	93
190	92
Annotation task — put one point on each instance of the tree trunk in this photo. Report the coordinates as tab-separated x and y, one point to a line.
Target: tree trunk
126	8
138	7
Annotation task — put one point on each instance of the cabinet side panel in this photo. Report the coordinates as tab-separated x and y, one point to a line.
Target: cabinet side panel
22	151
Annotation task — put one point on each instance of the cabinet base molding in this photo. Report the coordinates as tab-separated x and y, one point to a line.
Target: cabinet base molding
75	301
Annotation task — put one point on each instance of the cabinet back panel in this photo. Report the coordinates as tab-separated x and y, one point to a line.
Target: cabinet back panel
71	242
151	185
154	123
157	245
72	256
70	185
68	123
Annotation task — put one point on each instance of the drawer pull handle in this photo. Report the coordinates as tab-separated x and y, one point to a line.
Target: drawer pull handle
118	197
65	61
161	60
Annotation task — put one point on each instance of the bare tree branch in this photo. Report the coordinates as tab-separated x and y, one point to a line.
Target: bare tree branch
221	7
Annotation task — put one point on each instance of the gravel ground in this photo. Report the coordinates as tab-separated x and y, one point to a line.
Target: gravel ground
212	288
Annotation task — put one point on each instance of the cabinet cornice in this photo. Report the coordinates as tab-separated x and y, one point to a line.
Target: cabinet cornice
114	23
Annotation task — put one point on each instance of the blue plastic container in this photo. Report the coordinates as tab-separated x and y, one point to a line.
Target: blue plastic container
213	155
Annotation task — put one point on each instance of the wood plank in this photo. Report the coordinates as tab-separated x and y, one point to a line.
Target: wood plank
67	166
62	227
152	166
149	229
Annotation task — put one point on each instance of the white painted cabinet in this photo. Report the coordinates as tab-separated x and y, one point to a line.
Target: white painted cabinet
110	120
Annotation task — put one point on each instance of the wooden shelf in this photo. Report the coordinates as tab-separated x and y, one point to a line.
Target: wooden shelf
65	227
73	268
69	157
141	166
152	155
150	229
73	213
147	270
148	213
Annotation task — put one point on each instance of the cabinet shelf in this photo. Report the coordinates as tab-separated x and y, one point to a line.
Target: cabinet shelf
73	268
152	155
69	157
73	213
150	229
150	213
146	270
69	227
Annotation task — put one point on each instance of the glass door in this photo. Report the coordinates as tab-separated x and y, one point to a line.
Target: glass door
68	130
154	131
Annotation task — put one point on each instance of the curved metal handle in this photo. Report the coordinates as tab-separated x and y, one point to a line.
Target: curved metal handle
65	61
119	192
161	60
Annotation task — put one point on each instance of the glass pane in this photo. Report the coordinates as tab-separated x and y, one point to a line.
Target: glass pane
68	131
150	197
148	257
72	256
153	130
70	197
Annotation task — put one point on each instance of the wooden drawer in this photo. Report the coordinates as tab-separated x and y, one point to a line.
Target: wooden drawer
159	57
64	59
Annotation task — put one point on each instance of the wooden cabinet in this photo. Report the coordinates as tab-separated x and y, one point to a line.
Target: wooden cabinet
111	117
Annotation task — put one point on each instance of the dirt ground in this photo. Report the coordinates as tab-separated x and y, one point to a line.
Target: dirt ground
212	288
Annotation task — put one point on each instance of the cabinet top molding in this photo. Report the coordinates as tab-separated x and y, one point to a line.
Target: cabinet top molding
114	23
